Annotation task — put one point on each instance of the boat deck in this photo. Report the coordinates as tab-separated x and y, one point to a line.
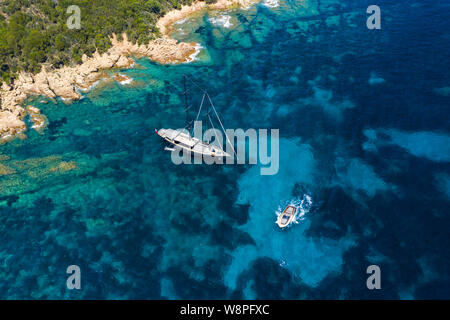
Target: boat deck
286	217
183	140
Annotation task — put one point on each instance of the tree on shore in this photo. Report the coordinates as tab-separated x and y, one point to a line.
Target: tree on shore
35	31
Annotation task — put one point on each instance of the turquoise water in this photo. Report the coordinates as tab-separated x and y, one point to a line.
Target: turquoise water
363	125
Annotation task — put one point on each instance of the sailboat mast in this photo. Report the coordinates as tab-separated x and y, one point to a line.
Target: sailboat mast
186	100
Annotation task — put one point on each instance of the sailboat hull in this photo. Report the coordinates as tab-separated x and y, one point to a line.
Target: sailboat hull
180	139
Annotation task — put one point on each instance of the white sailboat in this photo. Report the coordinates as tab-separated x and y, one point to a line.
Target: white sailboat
182	139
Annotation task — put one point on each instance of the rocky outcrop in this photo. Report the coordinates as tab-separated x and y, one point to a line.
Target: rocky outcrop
62	82
165	23
164	50
39	120
66	81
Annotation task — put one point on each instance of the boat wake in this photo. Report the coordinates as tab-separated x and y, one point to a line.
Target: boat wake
303	206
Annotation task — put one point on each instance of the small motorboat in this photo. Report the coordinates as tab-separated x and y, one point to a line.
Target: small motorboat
286	218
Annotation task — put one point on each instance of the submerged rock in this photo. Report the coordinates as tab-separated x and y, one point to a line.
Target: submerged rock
40	121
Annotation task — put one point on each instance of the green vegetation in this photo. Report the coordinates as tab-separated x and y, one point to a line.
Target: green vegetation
33	32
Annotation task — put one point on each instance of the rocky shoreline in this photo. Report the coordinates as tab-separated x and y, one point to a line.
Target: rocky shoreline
67	81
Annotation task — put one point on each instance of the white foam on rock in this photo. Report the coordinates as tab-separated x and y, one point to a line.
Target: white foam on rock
193	57
271	3
127	80
222	21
